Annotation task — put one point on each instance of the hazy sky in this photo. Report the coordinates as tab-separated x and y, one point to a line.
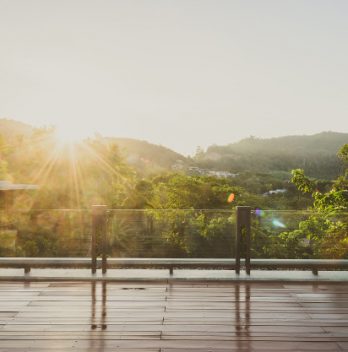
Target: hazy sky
179	73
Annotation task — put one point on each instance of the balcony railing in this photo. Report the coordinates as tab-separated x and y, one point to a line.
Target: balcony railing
174	238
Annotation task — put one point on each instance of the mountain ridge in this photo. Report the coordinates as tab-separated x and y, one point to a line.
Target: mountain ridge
315	153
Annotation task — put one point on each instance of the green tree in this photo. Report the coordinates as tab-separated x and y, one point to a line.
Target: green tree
327	228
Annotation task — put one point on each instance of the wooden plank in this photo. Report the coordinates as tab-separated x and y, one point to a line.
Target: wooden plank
173	317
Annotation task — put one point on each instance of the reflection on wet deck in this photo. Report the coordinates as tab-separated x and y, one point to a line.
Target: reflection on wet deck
205	316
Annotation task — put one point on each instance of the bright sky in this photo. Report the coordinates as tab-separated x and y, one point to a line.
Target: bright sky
180	73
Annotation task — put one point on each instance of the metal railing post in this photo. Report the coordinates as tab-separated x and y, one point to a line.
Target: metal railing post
243	237
94	245
99	228
238	241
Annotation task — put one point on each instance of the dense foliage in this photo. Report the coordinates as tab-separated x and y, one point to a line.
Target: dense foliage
171	213
327	228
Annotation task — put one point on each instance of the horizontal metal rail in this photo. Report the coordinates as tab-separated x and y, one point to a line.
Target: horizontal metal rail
170	263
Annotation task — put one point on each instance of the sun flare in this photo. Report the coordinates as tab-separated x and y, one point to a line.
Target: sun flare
68	136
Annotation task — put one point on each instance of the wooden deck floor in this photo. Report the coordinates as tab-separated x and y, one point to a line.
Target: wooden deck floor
68	316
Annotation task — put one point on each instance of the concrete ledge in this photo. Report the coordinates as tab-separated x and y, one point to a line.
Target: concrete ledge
229	263
157	275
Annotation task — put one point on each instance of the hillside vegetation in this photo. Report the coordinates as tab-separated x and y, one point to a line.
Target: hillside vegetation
146	157
315	154
158	211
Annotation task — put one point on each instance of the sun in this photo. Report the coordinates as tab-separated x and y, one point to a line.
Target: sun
68	136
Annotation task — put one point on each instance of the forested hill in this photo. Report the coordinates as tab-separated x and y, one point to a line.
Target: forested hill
147	157
11	129
316	154
325	142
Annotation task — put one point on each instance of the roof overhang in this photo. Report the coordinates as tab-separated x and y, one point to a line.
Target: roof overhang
8	186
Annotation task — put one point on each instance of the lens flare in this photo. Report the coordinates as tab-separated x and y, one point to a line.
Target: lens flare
230	198
259	212
277	223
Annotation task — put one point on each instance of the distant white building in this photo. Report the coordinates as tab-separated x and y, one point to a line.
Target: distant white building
275	191
205	172
196	170
221	174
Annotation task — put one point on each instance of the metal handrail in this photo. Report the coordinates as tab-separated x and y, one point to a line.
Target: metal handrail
170	263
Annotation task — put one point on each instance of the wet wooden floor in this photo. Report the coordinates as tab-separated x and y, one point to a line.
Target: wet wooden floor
175	317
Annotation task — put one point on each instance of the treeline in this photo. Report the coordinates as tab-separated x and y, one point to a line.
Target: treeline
172	213
97	172
315	154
